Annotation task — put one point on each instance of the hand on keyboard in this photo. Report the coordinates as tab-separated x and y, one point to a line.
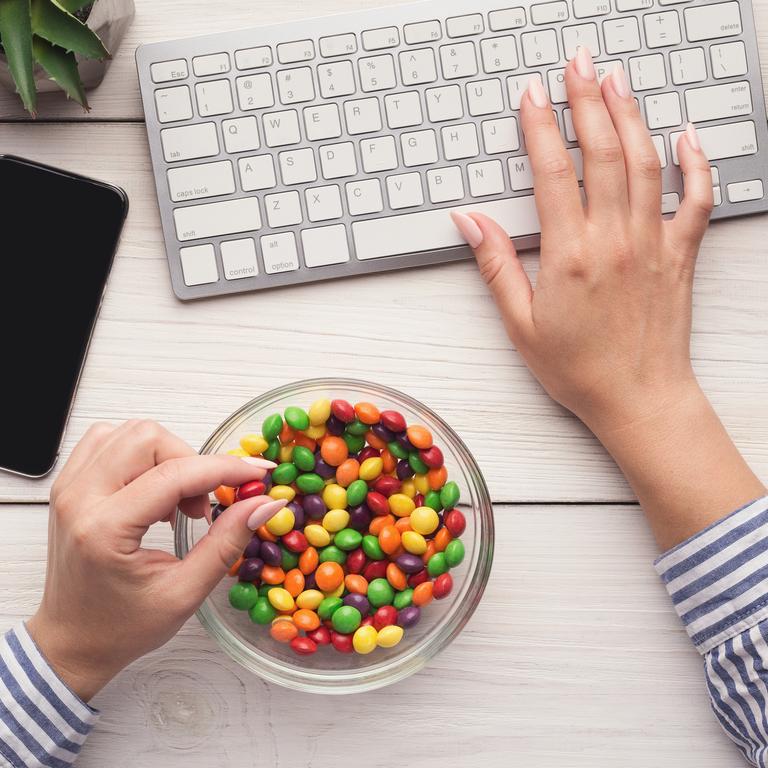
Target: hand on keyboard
607	328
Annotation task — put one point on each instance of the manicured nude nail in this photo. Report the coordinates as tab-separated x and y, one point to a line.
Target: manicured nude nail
537	93
260	463
265	511
693	137
584	65
468	228
619	82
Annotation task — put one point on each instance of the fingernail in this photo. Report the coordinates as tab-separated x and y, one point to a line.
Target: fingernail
537	93
265	511
468	228
257	462
584	65
693	137
619	82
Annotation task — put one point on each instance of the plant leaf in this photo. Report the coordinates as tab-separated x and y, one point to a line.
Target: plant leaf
16	35
55	24
61	66
73	5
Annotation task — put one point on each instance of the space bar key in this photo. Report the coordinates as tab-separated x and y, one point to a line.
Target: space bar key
432	230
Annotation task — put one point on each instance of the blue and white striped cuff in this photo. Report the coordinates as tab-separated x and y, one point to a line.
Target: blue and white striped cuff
43	723
718	579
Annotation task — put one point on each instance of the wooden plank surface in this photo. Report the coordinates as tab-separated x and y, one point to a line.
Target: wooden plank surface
574	658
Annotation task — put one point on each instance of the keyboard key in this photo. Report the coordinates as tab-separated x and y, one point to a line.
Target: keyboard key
362	115
323	203
661	149
213	219
459	141
722	141
376	39
485	178
433	230
662	29
580	35
556	81
621	35
279	253
444	103
663	110
283	209
728	60
743	191
688	66
648	73
458	60
364	197
325	245
241	134
418	148
568	127
549	13
214	97
418	66
322	122
196	181
718	101
717	195
461	26
213	64
295	85
712	21
715	176
338	45
604	68
517	86
403	109
300	50
540	48
238	257
377	73
255	92
404	191
281	128
484	97
445	184
585	9
499	54
198	264
500	135
622	6
252	58
520	173
507	18
378	154
338	160
173	104
297	166
422	32
189	142
163	71
670	202
257	172
336	79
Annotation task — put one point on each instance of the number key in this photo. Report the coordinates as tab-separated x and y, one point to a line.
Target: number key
499	54
458	60
540	48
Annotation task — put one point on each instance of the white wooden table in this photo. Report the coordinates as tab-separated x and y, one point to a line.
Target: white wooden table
574	658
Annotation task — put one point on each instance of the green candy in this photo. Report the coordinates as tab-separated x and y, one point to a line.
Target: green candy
417	465
372	548
397	450
454	553
309	483
346	619
273	450
328	607
403	599
303	458
432	499
333	553
264	589
347	539
272	426
356	492
449	495
437	564
354	443
380	593
296	418
285	473
262	611
243	595
290	559
357	428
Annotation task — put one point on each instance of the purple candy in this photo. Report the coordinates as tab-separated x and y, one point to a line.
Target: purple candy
298	514
309	581
253	549
358	601
271	554
404	442
323	469
216	511
251	568
267	480
359	517
403	470
314	506
383	433
408	563
409	616
335	426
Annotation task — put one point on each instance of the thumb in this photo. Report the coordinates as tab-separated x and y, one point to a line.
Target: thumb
215	553
500	267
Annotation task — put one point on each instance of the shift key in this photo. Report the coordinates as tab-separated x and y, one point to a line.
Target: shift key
722	141
212	219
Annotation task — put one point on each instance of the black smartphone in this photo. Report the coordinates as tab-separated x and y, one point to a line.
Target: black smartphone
58	236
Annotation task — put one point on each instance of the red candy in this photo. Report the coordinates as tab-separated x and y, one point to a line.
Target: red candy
454	521
377	503
247	490
342	643
376	570
418	578
295	541
432	457
303	645
356	561
384	616
386	485
367	621
320	636
368	453
343	410
443	585
393	421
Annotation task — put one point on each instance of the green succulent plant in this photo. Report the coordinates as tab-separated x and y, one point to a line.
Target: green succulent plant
48	33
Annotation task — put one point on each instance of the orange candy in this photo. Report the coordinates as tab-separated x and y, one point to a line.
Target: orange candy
431	549
308	560
396	577
378	523
422	593
368	413
304	441
436	478
306	619
388	460
225	495
356	584
403	524
442	539
294	582
235	567
347	472
283	630
374	441
328	576
334	450
389	539
286	434
272	574
264	534
419	436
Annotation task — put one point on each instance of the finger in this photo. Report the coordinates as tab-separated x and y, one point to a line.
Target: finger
605	177
501	269
213	555
641	161
687	228
556	188
84	452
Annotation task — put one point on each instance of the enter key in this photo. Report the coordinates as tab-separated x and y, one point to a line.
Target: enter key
717	102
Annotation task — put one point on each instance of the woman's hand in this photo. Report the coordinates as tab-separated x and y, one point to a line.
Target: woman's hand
107	600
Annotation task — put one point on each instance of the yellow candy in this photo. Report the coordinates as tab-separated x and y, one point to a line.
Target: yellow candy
317	536
286	453
253	444
238	452
280	598
389	636
424	520
310	598
364	639
401	504
319	412
334	496
282	522
422	484
338	592
335	520
371	468
282	492
408	488
315	433
413	542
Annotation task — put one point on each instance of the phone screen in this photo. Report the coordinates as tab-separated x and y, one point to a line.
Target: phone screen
57	239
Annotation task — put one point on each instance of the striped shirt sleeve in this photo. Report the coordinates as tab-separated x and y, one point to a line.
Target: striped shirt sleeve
43	724
718	582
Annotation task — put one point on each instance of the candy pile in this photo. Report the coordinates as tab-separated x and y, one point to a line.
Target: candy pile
368	536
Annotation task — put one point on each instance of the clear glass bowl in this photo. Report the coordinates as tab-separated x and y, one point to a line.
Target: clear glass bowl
328	671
